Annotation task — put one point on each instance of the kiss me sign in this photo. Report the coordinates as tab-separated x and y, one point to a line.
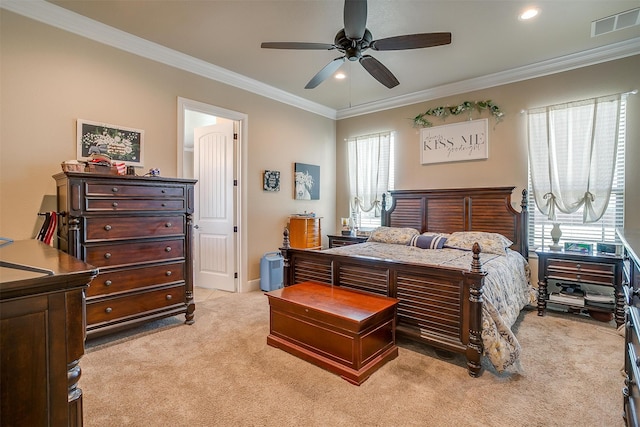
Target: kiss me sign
455	142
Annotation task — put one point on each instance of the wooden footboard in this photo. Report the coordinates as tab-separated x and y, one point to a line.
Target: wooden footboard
438	306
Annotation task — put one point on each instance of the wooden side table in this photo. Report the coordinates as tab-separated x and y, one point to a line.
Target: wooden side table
576	268
337	240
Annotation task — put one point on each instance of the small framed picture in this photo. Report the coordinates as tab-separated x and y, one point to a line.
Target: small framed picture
120	143
581	248
271	181
307	182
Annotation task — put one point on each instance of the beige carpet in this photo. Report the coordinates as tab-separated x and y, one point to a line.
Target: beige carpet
220	372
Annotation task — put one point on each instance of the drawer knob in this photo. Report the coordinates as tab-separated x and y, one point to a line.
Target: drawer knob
167	249
114	204
169	297
163	191
164	205
107	282
108	310
578	276
578	266
107	255
168	273
168	225
107	227
114	189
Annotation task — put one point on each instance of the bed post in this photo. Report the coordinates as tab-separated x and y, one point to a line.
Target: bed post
284	250
475	280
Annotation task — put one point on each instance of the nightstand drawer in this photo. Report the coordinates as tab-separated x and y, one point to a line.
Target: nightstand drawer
578	271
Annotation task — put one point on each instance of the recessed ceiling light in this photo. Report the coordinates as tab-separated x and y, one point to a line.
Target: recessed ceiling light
340	76
528	14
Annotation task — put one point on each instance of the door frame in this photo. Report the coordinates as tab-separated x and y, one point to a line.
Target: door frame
240	166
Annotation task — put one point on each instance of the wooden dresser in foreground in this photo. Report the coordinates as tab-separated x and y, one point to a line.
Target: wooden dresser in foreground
631	391
41	334
138	232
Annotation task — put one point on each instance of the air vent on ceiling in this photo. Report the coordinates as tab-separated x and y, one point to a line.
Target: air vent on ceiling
616	22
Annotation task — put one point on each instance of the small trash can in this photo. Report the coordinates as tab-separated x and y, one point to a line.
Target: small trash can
271	271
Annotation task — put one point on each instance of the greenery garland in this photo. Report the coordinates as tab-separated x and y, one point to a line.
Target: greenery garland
467	106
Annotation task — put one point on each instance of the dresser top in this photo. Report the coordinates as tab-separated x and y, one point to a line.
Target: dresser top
30	265
133	178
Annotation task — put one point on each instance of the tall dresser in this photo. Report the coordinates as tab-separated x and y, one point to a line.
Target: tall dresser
631	390
304	232
138	232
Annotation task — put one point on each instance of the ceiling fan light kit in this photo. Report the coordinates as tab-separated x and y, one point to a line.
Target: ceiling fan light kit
354	39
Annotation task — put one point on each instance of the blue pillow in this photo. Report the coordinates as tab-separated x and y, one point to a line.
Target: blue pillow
435	241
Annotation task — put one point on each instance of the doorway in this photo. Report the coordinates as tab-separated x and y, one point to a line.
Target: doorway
210	149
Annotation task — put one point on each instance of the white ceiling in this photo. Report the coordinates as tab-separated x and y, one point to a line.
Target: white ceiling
489	44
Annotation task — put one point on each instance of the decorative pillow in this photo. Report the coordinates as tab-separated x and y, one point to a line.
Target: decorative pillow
395	235
491	243
428	241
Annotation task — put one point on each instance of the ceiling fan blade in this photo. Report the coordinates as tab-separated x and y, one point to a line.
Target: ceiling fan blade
355	18
327	71
379	71
411	41
297	45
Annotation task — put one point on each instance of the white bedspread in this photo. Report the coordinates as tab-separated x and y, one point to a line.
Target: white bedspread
506	288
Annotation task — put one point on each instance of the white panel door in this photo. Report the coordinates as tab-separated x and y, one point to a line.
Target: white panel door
214	237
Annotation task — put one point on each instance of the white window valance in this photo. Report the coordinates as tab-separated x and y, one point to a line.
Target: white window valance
572	154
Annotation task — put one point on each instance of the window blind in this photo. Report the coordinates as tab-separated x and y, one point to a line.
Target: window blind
571	225
364	178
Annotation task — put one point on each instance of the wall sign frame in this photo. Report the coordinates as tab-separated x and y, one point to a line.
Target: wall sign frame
456	142
120	143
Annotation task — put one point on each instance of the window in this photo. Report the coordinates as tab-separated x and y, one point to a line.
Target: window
371	172
572	224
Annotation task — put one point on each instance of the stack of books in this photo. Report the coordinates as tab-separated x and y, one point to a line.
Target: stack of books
596	300
576	300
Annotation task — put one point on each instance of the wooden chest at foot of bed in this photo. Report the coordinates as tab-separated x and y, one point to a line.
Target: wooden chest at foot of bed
346	332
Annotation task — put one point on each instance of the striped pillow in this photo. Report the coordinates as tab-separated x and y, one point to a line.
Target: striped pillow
428	241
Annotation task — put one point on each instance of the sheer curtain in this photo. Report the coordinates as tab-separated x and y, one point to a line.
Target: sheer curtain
369	158
572	154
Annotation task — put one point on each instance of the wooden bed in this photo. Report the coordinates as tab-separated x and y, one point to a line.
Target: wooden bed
439	306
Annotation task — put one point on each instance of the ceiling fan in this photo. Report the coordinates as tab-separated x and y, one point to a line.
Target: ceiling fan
354	39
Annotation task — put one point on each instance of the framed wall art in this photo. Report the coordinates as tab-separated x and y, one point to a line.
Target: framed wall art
271	181
307	182
120	143
455	142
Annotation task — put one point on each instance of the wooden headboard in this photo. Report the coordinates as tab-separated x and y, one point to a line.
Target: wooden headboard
460	209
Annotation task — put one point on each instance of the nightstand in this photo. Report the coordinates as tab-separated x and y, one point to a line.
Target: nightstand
336	240
593	270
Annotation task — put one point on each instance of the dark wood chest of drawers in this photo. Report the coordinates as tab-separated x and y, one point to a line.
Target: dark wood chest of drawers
138	232
631	390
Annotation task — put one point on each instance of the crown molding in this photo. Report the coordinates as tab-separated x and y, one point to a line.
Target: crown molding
585	58
50	14
64	19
